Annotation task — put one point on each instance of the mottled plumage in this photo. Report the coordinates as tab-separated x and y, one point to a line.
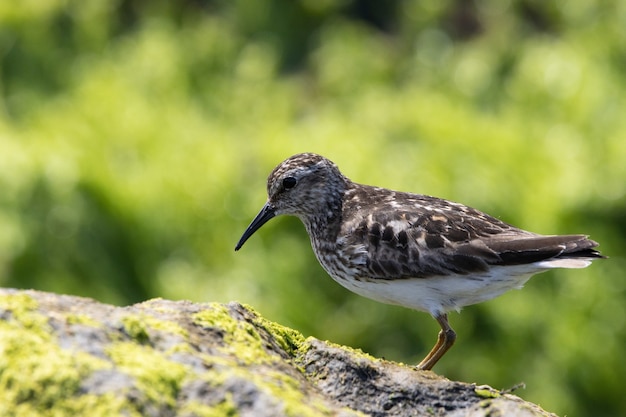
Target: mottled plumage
412	250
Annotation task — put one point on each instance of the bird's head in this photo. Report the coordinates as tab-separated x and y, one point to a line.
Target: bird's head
305	185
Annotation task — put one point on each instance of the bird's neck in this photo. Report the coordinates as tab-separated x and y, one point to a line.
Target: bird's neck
323	225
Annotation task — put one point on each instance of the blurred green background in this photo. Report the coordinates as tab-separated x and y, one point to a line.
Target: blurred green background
136	138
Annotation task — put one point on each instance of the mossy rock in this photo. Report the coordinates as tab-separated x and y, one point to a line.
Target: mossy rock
64	355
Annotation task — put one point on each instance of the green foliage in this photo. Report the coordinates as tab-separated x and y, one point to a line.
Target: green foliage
135	140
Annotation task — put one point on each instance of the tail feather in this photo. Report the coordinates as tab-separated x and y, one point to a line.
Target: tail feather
564	263
558	251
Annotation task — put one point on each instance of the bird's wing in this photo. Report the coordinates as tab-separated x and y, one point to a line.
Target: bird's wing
419	236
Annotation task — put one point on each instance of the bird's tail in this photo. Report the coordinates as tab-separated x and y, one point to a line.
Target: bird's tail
558	251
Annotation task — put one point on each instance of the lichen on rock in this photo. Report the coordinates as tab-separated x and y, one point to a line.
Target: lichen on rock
65	355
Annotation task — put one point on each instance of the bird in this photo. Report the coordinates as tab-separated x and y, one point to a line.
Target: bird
416	251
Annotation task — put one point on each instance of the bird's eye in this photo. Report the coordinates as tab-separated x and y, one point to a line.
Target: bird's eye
289	183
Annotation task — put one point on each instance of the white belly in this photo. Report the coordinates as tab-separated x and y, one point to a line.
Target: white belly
438	295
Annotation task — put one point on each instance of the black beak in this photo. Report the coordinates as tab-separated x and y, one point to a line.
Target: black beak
266	213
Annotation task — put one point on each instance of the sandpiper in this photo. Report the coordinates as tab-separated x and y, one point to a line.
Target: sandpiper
412	250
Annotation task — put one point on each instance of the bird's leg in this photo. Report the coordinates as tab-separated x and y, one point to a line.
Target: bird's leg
445	340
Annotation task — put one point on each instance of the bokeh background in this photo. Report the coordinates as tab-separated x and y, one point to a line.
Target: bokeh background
136	138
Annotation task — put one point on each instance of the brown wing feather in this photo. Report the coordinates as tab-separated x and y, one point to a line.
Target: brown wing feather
414	236
539	248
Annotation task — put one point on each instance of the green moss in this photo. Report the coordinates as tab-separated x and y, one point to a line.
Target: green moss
289	390
96	406
227	408
157	377
35	373
23	309
485	391
182	347
84	405
291	341
245	352
82	319
138	326
38	378
240	338
286	390
165	326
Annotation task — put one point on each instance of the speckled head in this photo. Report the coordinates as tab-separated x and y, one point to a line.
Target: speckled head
305	185
300	183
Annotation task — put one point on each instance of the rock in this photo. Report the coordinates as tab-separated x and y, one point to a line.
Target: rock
63	355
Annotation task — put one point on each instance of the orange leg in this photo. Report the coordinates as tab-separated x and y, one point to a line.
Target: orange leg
445	340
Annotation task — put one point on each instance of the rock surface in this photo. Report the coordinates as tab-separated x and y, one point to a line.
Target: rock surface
63	355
